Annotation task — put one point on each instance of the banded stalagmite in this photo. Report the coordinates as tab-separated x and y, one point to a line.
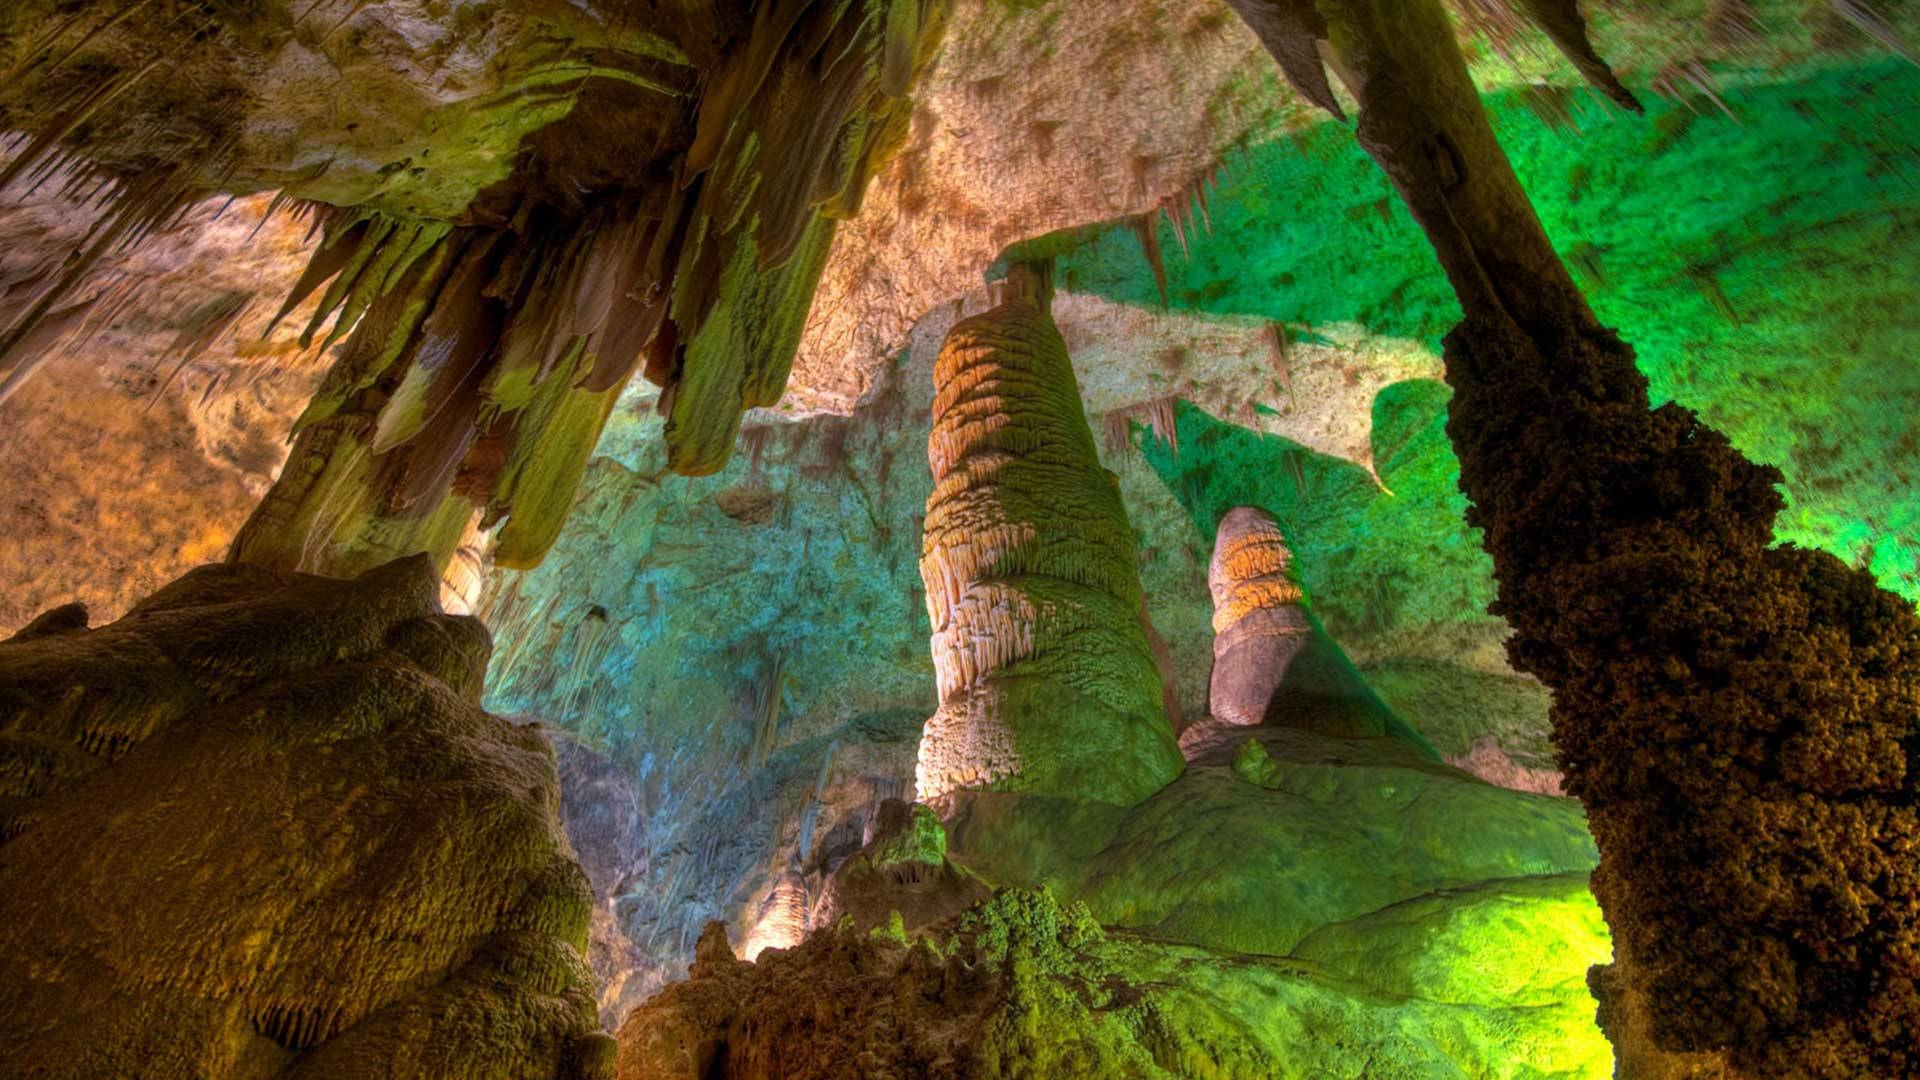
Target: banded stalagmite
1047	682
1273	662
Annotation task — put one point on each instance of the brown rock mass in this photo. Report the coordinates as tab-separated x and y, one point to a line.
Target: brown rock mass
261	827
1738	718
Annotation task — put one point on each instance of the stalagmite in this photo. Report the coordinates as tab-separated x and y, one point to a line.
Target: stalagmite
1738	718
1273	662
1046	679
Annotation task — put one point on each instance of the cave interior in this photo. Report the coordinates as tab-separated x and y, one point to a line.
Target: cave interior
894	539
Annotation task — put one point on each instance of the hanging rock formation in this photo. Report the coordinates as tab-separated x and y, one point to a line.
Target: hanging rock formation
1738	718
260	826
1273	663
1046	679
677	227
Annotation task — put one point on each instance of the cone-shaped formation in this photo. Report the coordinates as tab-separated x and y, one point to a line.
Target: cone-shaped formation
1046	679
1272	661
261	827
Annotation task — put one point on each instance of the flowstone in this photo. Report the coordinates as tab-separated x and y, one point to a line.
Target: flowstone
1024	985
1287	886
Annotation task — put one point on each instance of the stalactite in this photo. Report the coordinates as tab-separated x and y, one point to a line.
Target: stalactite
1684	80
1046	679
699	270
1861	15
1732	27
1147	228
1279	353
1292	31
137	206
203	328
703	278
1563	24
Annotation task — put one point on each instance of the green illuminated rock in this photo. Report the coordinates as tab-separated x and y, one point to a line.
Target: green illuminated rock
1028	986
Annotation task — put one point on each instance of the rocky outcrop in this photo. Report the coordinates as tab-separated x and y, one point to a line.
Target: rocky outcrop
1046	679
902	874
485	344
261	826
1429	968
1273	662
1271	834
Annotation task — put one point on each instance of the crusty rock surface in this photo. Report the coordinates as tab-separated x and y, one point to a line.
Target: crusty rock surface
260	827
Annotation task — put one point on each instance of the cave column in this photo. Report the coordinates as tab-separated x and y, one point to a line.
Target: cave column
1422	123
1737	718
1047	682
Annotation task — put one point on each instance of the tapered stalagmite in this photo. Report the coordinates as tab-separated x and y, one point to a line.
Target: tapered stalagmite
1738	718
1046	679
1273	663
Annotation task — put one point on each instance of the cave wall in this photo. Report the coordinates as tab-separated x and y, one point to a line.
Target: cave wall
1294	367
146	441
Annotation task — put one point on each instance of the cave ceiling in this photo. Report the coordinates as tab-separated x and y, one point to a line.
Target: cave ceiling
467	112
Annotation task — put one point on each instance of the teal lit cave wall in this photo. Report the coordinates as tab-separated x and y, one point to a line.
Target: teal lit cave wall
1762	265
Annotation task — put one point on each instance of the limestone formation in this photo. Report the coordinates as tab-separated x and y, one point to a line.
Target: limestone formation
675	225
1273	662
1738	718
1026	985
902	873
1047	682
261	826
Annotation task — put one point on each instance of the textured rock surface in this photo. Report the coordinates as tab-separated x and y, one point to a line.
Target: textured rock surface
1046	679
261	826
1481	981
1039	116
1270	834
1736	717
162	420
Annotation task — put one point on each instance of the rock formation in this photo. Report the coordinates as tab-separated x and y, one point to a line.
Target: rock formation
1046	679
1273	663
486	337
1411	937
1738	718
261	826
